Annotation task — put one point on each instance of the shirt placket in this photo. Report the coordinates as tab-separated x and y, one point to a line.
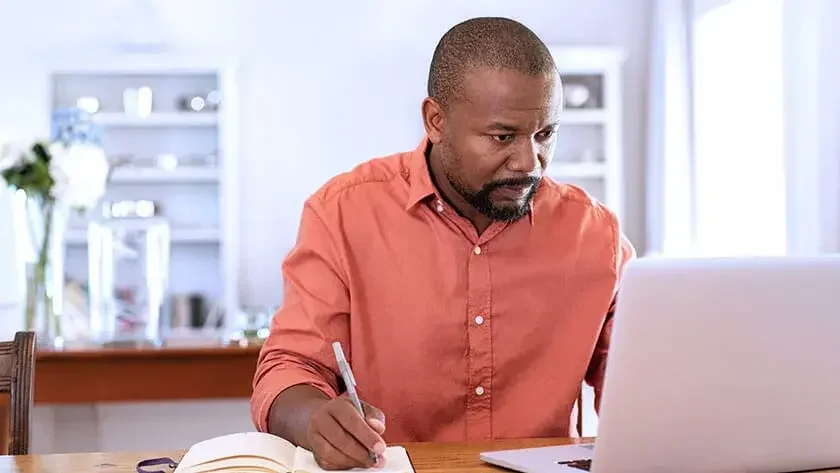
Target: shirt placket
479	419
479	336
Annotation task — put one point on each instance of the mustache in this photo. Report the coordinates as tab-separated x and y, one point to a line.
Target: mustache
512	182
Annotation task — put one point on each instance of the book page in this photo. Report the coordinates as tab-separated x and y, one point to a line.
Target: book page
236	465
396	461
247	449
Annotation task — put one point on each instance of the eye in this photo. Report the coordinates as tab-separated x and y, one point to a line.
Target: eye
545	134
503	138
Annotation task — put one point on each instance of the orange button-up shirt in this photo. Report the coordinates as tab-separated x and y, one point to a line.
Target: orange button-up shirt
455	336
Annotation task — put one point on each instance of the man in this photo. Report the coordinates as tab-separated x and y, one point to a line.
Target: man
472	295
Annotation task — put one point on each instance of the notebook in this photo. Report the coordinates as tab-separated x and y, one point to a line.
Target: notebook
256	452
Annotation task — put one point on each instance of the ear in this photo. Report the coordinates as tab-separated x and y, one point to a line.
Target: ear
433	120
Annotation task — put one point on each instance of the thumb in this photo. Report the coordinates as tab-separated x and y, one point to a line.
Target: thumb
375	418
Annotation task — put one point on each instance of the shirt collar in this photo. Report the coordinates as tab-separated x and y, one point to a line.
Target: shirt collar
420	179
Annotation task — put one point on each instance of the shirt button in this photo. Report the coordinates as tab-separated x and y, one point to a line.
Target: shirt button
439	206
479	391
479	320
477	250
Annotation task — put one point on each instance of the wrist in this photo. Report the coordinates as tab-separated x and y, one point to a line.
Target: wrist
292	410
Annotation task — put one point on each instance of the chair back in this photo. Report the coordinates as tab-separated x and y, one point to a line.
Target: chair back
17	373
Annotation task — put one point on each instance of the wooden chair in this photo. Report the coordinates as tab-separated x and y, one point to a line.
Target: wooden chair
580	413
17	363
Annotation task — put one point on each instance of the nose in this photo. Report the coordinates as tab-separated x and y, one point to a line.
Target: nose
526	158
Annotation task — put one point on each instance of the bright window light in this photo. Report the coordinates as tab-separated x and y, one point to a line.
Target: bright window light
738	125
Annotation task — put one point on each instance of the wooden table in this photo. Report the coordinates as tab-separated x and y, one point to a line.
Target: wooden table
153	374
426	457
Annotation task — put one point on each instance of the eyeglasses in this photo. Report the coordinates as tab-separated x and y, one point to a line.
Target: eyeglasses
165	462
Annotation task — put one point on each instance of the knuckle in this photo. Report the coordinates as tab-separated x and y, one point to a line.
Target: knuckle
316	424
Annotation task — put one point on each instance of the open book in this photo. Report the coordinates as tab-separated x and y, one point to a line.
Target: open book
256	452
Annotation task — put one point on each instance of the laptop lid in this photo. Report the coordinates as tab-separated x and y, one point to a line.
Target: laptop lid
723	365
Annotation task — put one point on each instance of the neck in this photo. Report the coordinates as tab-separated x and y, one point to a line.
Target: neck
452	196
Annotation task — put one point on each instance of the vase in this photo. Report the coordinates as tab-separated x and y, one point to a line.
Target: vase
128	264
46	225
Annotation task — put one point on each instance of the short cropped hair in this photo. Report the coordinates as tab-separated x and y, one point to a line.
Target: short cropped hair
487	42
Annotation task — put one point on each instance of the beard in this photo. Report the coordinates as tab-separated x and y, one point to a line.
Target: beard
482	199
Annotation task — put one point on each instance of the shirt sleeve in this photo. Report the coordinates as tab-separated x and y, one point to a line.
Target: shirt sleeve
597	365
314	313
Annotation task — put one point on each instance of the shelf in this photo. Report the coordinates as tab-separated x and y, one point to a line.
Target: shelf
200	195
176	119
577	170
193	174
179	236
583	117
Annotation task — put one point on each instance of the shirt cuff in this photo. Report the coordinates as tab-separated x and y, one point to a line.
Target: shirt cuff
275	382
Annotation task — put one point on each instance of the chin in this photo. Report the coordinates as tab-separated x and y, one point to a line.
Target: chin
519	205
508	212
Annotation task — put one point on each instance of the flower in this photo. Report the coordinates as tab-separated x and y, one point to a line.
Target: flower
80	173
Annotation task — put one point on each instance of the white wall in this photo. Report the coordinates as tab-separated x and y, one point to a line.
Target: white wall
322	89
303	126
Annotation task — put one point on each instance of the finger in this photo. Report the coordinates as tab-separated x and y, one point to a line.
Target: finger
377	426
325	465
347	443
349	418
375	418
328	457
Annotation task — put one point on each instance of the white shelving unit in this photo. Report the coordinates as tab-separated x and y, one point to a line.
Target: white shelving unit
589	142
161	119
198	195
185	174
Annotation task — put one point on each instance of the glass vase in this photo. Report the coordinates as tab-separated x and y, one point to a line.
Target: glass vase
46	225
128	264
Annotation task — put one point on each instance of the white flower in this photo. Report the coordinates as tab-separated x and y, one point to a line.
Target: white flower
80	172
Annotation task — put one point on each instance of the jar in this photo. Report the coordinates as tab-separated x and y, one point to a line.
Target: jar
128	264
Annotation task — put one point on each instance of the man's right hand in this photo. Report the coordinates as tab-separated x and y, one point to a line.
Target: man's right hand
341	439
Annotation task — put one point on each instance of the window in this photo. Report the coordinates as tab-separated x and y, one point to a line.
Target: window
739	167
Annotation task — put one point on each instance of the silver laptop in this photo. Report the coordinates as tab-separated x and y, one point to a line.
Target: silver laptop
716	365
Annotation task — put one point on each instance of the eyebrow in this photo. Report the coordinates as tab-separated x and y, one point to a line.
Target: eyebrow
498	126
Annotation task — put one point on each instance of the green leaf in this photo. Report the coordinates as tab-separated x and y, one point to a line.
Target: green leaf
41	152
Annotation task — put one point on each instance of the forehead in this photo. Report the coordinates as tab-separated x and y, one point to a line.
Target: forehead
489	92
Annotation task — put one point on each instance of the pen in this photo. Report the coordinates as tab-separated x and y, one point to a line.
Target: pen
350	383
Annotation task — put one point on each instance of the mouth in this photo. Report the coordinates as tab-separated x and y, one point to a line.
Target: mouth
514	192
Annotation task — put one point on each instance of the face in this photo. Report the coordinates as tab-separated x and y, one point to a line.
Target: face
495	142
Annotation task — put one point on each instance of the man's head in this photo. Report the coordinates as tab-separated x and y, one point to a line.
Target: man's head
494	98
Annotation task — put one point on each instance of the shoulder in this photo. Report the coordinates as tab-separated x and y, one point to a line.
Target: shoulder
575	210
378	176
569	200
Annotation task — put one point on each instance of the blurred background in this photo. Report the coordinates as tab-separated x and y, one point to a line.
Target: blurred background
709	126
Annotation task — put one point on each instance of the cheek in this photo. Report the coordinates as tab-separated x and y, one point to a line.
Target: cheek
478	159
488	167
547	152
